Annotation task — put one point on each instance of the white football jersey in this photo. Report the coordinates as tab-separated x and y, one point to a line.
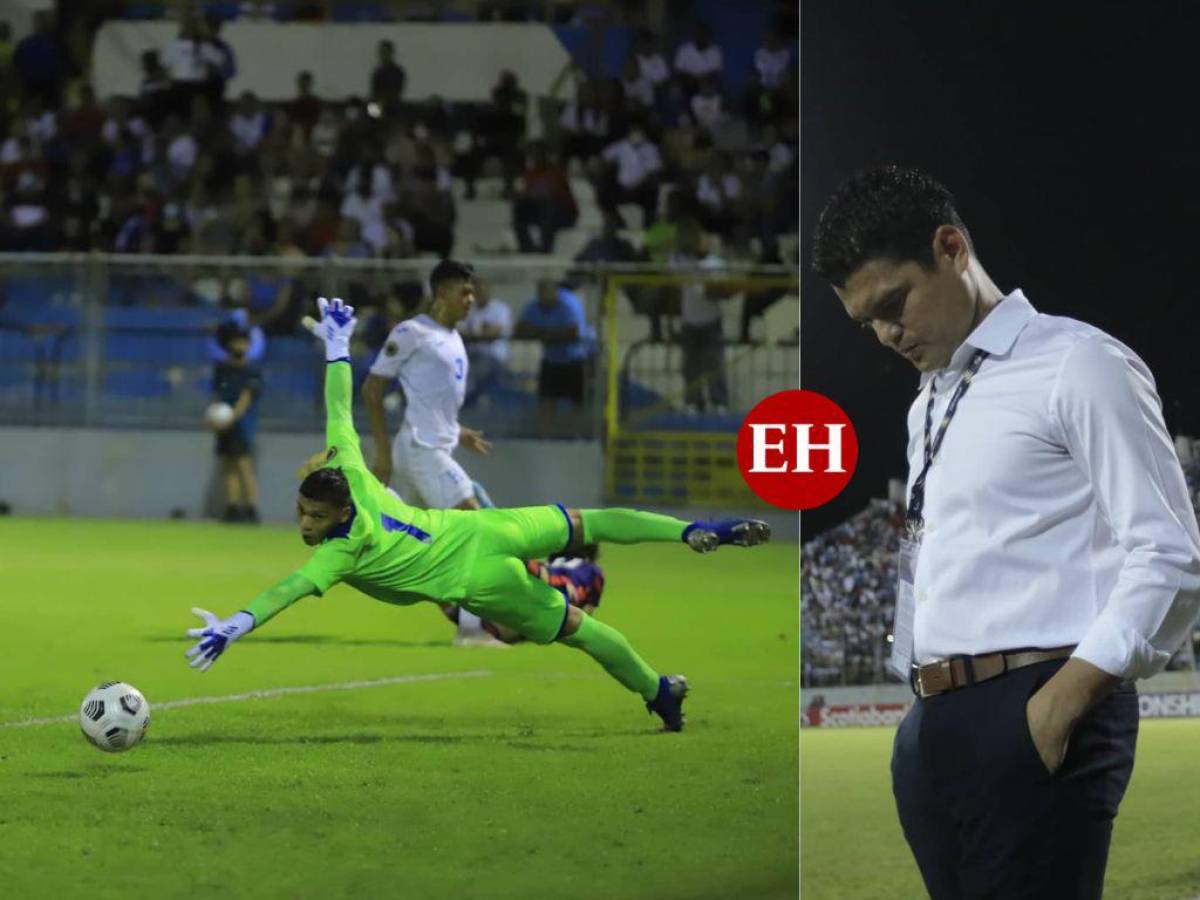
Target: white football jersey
430	362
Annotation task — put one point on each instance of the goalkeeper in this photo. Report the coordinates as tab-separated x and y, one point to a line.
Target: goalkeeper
368	538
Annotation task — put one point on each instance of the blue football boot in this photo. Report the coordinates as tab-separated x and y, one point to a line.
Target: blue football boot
705	537
668	705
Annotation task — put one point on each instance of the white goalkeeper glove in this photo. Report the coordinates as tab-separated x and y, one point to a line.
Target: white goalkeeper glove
336	325
215	636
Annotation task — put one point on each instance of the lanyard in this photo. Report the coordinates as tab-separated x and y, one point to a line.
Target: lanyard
916	505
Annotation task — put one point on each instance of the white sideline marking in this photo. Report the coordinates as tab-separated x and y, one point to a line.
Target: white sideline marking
274	692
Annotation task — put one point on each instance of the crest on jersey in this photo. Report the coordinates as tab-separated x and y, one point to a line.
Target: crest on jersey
331	454
390	348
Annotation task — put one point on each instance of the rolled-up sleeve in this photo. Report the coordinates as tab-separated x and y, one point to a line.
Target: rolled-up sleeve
1106	404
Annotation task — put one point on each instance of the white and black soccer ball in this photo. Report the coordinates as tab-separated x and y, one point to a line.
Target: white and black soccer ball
219	415
114	716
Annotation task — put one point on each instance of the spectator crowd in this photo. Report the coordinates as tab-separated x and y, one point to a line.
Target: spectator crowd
185	168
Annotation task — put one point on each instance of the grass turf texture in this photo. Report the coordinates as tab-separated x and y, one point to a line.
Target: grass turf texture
540	779
852	845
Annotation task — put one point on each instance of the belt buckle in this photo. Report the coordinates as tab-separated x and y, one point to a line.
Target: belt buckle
943	669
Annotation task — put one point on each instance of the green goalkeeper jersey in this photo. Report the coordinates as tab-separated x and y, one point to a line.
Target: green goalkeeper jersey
389	550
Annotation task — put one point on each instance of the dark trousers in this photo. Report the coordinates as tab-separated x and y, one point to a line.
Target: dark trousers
704	365
983	816
610	194
543	213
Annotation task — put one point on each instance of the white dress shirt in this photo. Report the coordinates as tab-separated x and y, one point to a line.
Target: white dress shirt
635	162
696	308
653	67
691	60
188	60
1056	510
708	110
431	364
772	65
494	312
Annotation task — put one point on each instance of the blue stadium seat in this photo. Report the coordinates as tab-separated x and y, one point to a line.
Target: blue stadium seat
144	289
140	12
292	351
226	11
637	396
16	349
70	348
40	313
163	349
360	11
37	290
201	318
136	381
293	382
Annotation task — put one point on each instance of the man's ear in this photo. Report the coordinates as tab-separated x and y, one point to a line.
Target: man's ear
346	512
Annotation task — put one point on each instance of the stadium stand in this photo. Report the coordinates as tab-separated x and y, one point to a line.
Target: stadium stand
183	167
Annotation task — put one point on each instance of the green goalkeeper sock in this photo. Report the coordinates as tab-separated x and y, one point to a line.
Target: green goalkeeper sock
629	526
611	649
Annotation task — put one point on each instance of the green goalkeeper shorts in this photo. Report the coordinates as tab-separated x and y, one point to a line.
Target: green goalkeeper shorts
499	587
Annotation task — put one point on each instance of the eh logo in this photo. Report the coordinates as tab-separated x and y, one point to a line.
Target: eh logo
797	449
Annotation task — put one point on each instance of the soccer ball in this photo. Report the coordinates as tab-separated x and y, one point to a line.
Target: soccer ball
219	415
114	716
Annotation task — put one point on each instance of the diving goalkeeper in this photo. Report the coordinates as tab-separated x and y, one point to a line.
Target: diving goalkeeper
368	538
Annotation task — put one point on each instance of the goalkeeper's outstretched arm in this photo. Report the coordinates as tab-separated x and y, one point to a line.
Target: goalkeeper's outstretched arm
217	634
335	329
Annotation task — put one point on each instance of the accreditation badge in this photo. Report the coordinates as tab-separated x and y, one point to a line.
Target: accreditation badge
906	606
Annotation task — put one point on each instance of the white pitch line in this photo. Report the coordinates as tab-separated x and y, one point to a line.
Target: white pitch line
267	693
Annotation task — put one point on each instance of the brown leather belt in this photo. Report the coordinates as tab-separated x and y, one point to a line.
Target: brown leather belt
963	671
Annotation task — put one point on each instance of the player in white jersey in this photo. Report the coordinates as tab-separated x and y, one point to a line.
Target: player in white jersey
426	355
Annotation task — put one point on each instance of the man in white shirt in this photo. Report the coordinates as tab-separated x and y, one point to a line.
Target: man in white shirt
631	176
771	60
426	355
486	330
249	125
652	65
1052	559
701	337
189	59
698	58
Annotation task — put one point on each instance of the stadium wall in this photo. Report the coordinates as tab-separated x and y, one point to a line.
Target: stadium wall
1166	695
341	57
149	474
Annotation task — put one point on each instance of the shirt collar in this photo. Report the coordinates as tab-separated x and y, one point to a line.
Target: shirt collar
343	530
996	334
432	322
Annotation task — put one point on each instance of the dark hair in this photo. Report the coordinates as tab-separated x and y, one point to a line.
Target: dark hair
449	270
326	485
887	212
229	331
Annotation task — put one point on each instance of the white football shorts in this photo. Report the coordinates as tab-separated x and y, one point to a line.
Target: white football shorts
427	476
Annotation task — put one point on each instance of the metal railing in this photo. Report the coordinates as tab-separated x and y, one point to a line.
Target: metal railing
104	340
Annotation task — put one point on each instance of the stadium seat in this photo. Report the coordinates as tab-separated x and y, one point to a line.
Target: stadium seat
147	11
151	348
360	11
199	318
136	381
226	11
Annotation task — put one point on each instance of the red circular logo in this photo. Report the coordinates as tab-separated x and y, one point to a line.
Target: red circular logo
797	449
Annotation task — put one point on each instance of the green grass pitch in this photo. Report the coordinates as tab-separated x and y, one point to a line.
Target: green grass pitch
853	849
522	773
